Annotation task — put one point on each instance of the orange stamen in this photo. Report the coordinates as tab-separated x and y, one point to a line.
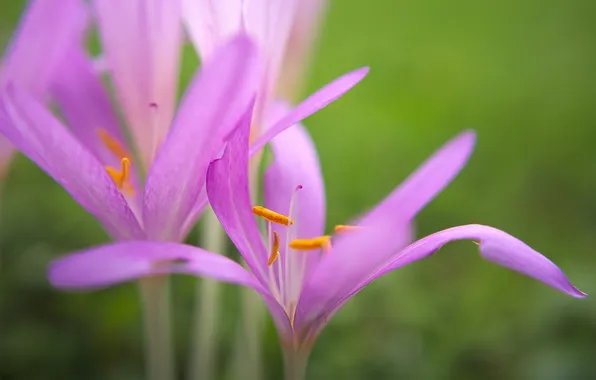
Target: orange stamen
323	242
121	177
344	228
112	144
274	249
272	216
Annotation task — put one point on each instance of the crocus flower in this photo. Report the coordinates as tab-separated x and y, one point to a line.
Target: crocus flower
310	274
303	275
37	47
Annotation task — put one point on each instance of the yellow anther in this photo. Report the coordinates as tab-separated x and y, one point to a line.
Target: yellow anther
323	242
121	177
274	249
112	144
343	228
272	216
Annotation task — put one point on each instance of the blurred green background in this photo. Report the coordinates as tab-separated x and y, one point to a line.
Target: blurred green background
521	73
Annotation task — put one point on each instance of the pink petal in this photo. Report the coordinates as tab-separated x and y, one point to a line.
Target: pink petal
216	101
84	102
312	104
141	42
37	133
112	264
211	23
45	30
228	192
357	254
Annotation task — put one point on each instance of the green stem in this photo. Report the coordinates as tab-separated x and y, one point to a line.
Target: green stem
206	315
248	340
295	363
158	339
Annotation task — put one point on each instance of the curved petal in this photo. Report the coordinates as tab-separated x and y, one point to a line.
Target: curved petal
495	245
217	100
107	265
229	195
317	101
37	133
111	264
426	182
141	42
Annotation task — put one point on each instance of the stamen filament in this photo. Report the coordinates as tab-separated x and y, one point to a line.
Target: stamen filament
323	242
345	228
112	144
272	216
274	249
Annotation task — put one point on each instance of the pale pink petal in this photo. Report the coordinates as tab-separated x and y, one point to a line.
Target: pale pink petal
210	23
141	42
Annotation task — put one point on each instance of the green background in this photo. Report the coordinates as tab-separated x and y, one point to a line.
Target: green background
521	73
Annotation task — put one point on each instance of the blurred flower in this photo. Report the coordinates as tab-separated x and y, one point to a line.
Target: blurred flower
271	23
305	29
37	47
303	275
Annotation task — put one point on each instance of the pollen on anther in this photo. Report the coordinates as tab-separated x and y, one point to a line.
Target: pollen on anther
346	228
272	216
274	249
321	242
121	177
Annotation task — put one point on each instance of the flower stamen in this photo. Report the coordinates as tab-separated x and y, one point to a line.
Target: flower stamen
121	177
274	249
112	144
345	228
321	242
272	216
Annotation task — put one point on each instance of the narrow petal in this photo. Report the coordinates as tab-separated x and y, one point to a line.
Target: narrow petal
112	264
317	101
495	245
78	91
358	254
426	182
37	133
216	101
210	23
141	42
46	31
229	196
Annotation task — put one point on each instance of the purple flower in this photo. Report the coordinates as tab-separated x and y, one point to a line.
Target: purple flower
303	275
310	275
37	48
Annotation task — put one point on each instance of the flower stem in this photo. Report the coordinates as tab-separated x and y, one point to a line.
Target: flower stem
206	312
158	339
295	363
